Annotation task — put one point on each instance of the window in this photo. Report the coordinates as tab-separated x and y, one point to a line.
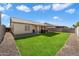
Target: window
27	27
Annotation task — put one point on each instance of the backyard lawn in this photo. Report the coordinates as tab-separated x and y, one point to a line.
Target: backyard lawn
41	44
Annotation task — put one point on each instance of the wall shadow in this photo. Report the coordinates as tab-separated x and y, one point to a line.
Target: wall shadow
50	34
25	36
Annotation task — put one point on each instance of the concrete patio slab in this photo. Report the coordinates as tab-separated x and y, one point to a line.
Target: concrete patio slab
8	46
71	48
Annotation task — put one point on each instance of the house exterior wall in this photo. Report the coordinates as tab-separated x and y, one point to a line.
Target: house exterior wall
36	28
20	28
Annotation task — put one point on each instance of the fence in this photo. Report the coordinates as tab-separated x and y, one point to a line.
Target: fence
2	32
69	30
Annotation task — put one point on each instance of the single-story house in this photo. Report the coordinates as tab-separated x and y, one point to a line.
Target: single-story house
20	26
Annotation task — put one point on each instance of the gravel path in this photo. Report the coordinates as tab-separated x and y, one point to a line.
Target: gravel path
8	46
71	47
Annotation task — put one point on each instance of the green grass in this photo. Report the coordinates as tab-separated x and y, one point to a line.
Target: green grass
41	44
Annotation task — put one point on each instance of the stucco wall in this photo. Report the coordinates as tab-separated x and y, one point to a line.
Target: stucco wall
20	28
36	28
77	31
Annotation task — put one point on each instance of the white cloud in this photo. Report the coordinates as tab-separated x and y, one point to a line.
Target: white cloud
41	7
4	15
47	7
71	11
2	8
55	17
58	7
5	7
5	18
38	7
8	6
23	8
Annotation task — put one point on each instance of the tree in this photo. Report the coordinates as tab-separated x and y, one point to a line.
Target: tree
77	24
74	25
66	27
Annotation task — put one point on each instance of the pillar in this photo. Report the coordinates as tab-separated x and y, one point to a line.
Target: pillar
77	31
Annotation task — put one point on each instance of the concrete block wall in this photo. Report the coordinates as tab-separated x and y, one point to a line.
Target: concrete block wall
69	30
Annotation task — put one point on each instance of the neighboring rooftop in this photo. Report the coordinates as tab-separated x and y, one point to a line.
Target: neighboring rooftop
60	26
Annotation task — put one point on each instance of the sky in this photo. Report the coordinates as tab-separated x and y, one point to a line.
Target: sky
61	14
